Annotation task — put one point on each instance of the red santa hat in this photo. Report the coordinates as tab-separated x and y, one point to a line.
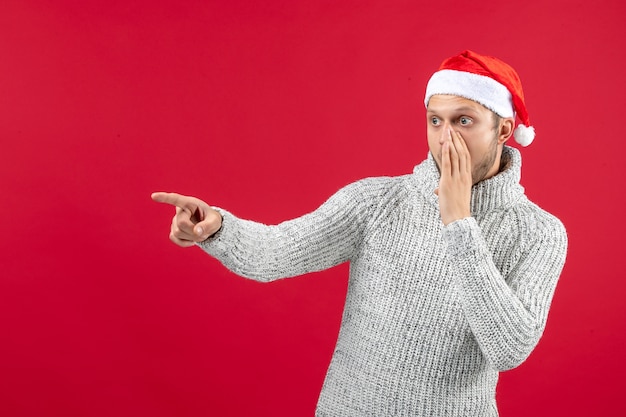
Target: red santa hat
487	81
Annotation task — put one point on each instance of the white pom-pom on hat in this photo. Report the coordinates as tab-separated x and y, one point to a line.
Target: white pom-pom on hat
524	135
487	81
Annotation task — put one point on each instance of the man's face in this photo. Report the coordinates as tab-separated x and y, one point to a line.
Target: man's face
476	125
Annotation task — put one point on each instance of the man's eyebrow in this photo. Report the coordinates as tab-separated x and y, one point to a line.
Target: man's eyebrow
455	110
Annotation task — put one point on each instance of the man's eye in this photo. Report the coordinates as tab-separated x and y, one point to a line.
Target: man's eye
434	121
464	121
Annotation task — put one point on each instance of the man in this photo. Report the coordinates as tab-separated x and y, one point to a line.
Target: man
452	267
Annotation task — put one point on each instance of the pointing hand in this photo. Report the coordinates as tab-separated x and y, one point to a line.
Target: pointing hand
194	220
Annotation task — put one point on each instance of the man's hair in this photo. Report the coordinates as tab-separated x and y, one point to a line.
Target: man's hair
496	121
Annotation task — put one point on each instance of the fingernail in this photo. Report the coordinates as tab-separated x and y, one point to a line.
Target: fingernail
198	230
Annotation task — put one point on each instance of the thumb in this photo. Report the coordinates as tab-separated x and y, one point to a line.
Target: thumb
208	226
198	230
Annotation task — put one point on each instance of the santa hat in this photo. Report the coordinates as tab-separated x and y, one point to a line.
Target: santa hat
485	80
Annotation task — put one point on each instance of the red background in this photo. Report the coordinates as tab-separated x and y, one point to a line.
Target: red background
267	108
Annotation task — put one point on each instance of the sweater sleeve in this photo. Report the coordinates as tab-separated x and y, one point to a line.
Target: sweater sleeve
507	314
319	240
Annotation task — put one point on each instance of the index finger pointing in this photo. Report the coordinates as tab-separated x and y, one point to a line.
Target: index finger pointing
170	198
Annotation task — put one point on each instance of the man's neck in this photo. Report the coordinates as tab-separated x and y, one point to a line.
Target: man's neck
505	161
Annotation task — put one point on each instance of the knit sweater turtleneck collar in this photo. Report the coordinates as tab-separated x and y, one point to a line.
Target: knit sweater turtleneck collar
498	192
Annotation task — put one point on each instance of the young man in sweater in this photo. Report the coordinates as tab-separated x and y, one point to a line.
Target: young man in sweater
452	267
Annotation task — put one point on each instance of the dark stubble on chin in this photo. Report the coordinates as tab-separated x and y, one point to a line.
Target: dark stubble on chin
480	170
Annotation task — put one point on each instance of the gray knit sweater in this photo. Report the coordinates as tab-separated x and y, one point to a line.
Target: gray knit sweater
432	312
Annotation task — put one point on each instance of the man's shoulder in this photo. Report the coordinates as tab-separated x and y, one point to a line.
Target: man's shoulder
382	181
531	217
378	187
372	193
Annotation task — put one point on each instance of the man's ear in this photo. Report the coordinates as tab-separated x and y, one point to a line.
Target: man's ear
506	130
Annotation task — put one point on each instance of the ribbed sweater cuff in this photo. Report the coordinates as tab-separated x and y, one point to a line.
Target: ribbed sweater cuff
463	237
215	245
